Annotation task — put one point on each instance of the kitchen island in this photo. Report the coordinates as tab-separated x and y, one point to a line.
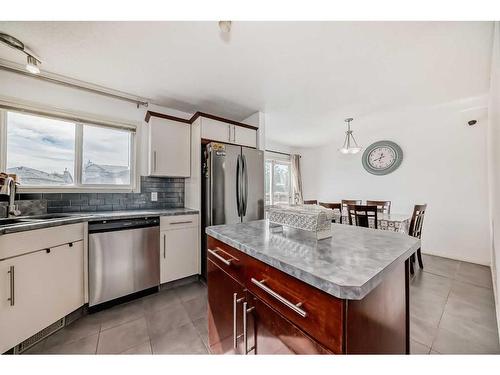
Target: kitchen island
289	293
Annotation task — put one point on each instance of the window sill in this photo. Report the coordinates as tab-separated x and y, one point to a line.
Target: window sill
77	189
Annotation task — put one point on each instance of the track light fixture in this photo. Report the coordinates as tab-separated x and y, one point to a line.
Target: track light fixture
32	61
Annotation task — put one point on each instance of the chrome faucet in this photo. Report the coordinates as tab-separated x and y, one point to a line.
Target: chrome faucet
8	187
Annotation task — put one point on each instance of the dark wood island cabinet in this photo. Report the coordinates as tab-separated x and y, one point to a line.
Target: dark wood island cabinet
256	308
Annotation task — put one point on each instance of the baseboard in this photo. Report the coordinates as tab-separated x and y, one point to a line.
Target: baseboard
495	293
456	258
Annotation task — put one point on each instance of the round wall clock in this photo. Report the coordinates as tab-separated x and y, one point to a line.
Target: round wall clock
382	157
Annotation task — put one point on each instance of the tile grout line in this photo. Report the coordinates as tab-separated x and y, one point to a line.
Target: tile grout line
442	313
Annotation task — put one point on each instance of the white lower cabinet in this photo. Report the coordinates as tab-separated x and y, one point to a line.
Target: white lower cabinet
37	289
179	249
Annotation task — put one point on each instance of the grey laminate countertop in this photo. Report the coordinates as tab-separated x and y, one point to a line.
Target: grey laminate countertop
91	216
349	265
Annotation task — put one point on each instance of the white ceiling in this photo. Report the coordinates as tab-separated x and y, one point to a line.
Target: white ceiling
306	76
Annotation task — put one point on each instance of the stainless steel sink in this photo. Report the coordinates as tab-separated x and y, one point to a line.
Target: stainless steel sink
32	219
14	221
50	216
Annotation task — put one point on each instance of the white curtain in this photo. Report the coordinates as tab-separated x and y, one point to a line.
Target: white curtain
296	179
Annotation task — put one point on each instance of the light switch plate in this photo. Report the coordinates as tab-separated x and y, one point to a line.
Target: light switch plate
154	196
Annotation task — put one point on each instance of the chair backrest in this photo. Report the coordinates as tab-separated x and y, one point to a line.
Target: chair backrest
383	207
417	220
333	206
347	202
311	202
360	215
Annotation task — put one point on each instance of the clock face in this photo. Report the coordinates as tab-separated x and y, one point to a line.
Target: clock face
382	157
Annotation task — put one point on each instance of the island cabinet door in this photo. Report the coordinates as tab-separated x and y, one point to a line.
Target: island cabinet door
225	319
268	332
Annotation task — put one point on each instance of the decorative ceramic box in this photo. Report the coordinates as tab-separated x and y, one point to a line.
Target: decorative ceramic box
311	218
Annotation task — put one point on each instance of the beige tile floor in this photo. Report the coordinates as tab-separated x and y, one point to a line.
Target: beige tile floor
452	311
452	308
170	322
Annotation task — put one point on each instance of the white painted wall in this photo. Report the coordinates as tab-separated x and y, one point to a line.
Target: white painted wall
272	145
16	87
445	166
493	163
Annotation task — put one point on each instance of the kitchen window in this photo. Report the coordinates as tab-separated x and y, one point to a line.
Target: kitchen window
53	153
278	181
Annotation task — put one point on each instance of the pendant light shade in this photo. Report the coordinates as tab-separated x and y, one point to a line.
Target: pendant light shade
350	145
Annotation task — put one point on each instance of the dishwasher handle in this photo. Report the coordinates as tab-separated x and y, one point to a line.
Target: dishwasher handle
123	224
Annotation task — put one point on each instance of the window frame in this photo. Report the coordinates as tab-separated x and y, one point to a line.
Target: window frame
278	160
79	121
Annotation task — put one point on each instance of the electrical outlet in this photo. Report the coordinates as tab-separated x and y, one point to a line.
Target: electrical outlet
154	196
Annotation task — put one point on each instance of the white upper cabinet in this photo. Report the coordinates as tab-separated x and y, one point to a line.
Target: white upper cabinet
216	130
221	131
245	136
169	147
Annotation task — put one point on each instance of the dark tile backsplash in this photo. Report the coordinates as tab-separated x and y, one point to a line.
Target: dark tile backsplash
170	195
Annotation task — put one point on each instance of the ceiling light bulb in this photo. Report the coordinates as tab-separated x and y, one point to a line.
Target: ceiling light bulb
355	150
344	150
225	26
31	65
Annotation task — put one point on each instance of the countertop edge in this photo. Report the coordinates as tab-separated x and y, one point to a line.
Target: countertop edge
95	216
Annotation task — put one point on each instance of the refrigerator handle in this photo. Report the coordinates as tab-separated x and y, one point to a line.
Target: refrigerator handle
210	199
238	185
245	185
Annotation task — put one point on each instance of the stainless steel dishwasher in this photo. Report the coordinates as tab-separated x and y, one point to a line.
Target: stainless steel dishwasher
123	258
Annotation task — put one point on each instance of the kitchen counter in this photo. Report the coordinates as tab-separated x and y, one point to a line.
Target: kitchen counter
79	217
348	266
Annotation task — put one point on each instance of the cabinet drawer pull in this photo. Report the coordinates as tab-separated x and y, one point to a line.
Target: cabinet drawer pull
246	311
12	290
296	308
181	222
164	246
154	161
236	300
227	262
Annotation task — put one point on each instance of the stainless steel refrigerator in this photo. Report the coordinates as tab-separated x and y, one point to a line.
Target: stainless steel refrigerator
233	186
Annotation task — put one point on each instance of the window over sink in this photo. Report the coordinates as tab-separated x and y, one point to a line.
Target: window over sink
58	153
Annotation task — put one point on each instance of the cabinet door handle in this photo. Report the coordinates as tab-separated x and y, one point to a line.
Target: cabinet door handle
234	133
181	222
246	311
295	307
227	262
154	161
12	287
229	128
236	300
164	246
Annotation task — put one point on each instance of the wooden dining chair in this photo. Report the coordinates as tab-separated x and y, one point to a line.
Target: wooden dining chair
311	202
360	215
417	220
333	206
347	202
383	207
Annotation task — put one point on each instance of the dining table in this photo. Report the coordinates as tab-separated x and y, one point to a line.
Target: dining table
385	221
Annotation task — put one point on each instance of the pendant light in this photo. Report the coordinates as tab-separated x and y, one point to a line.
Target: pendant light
350	145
